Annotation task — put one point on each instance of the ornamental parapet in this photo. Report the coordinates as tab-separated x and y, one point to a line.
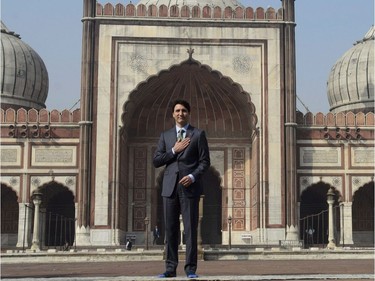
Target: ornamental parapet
335	119
188	12
44	124
39	116
349	126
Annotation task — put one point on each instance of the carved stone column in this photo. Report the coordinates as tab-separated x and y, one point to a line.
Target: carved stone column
346	224
200	249
181	233
24	225
37	200
147	222
331	226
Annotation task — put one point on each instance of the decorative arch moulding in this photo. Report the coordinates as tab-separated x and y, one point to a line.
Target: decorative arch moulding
13	182
335	181
206	12
68	181
357	181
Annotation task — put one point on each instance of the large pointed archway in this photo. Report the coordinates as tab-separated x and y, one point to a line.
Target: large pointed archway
363	215
58	214
314	214
218	105
9	216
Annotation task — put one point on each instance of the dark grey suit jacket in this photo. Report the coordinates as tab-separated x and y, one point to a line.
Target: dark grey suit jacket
195	160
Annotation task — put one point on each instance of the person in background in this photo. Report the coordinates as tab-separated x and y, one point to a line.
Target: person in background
156	234
310	236
129	245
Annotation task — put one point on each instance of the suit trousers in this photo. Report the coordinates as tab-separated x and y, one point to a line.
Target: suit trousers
189	209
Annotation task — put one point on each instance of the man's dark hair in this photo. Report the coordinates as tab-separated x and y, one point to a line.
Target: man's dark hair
182	102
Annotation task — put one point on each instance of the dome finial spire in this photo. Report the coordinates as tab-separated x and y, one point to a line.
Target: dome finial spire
190	51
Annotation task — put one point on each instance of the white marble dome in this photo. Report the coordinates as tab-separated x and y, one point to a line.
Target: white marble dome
350	86
212	3
24	77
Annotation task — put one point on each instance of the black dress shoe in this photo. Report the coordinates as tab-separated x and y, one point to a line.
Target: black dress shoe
191	275
167	274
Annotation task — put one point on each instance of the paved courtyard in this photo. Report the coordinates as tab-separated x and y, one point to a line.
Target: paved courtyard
348	269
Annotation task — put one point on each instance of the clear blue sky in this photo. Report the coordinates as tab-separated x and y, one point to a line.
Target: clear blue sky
325	30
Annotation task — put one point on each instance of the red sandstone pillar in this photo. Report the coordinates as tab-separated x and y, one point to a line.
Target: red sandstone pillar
87	93
291	208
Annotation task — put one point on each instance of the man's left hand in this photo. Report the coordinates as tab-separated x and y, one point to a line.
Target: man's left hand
186	181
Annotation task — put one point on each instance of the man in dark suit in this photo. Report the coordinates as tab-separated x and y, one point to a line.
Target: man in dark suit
183	150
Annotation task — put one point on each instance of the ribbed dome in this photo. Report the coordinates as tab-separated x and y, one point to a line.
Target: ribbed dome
24	77
351	81
212	3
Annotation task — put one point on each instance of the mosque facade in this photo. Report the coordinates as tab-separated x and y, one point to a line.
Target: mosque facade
89	172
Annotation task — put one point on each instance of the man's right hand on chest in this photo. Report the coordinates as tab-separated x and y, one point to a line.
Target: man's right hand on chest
180	145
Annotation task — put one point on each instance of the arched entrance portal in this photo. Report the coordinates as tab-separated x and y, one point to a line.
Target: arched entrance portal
363	215
218	105
9	216
59	215
314	215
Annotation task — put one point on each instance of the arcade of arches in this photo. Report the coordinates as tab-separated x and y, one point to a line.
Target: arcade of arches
314	215
57	219
59	201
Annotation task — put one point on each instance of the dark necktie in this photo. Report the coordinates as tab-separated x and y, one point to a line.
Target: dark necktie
180	135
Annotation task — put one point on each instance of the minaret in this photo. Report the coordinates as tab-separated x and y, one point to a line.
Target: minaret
87	90
291	207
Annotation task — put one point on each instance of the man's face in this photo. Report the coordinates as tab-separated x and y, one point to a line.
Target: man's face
181	115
